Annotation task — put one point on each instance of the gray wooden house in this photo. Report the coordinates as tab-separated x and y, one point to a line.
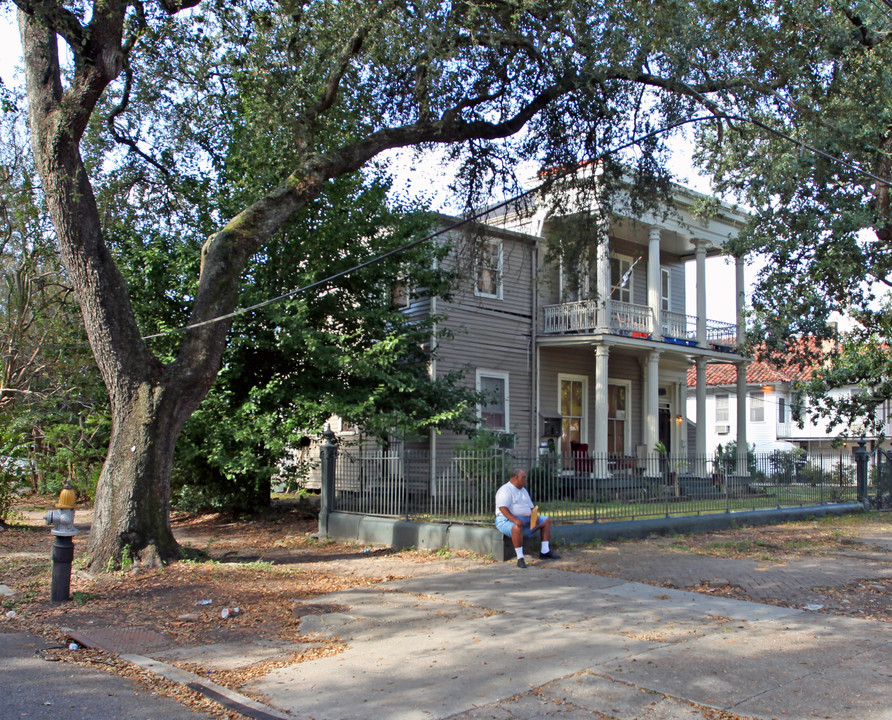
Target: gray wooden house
591	359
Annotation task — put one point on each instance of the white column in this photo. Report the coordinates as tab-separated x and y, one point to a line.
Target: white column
700	441
700	246
740	299
602	268
679	439
654	284
741	419
652	405
602	356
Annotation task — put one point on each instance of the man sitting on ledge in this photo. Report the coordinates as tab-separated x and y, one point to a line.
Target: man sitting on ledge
514	509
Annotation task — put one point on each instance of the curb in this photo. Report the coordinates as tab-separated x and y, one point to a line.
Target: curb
211	690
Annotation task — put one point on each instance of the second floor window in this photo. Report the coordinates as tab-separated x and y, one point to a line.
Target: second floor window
489	270
722	414
621	278
781	410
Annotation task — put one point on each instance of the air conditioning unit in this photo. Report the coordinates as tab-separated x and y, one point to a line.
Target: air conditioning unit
722	429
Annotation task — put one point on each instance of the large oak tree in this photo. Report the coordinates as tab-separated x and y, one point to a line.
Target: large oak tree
497	81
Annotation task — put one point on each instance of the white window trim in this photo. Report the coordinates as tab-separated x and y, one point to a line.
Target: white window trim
752	397
629	259
481	373
627	434
667	298
583	423
727	409
582	289
499	271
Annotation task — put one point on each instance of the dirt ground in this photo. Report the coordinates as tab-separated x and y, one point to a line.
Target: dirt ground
271	570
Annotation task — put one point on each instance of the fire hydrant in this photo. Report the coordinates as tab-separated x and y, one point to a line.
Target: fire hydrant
63	547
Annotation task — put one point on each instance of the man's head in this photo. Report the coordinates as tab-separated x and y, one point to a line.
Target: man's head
518	478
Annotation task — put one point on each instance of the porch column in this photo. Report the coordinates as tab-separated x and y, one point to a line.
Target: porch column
654	284
700	440
652	404
700	246
680	439
602	269
741	419
740	303
602	355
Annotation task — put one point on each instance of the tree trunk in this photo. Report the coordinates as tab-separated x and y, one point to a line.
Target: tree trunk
132	507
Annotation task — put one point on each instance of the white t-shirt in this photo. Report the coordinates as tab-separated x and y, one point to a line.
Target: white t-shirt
516	499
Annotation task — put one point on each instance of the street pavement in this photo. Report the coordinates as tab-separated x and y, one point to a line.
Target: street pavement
493	642
31	687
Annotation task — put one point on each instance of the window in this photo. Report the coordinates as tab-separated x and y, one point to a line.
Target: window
489	270
621	278
722	411
617	415
665	303
399	295
757	407
574	285
494	408
572	406
781	410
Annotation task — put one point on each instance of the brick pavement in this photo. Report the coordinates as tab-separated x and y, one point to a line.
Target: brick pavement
791	582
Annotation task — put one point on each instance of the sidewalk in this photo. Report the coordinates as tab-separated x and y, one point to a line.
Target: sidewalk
470	641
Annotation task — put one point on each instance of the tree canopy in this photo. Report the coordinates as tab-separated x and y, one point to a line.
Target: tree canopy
819	188
144	110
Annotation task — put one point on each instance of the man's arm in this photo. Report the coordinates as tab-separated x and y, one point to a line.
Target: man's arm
510	516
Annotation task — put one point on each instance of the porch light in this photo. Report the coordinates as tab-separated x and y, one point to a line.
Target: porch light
679	419
768	388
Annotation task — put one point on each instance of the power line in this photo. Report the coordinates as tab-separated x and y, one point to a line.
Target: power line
558	176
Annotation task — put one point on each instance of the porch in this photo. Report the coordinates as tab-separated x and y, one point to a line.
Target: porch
631	320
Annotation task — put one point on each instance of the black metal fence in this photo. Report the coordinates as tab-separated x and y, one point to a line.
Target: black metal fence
460	487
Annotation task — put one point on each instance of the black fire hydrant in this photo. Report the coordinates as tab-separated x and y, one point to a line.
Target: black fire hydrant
63	548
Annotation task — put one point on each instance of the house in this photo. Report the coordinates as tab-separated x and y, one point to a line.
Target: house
770	403
591	358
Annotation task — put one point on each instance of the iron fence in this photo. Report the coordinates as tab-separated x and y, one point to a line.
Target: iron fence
584	487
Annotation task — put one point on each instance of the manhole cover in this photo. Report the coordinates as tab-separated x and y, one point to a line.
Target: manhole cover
318	609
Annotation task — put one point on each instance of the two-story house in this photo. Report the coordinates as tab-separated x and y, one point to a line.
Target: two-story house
592	359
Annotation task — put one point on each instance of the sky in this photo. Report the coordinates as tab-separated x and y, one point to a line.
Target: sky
427	178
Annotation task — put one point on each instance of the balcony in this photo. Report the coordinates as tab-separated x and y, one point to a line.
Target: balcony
630	320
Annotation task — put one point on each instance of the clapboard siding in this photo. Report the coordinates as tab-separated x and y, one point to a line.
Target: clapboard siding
494	334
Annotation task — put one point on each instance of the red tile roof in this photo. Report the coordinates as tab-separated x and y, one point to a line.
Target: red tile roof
757	373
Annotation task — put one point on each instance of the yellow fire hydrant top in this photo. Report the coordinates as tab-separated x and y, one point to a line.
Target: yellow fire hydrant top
67	497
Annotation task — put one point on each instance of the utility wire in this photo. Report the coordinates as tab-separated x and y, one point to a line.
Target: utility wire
504	203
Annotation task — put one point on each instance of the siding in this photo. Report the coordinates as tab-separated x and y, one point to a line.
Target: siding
494	334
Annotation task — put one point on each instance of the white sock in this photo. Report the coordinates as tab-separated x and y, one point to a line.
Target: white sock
519	552
545	547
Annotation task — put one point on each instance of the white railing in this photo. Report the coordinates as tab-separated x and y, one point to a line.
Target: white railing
677	326
579	316
635	321
630	319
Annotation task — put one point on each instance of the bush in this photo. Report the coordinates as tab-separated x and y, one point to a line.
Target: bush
545	478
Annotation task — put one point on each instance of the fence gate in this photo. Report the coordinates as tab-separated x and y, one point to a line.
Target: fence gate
884	479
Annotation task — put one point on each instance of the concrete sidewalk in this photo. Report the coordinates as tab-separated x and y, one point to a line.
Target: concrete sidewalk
498	642
469	641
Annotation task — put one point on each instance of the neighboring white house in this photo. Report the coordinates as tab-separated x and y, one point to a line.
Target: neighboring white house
768	409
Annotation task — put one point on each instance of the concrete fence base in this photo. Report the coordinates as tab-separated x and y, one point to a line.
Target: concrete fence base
402	534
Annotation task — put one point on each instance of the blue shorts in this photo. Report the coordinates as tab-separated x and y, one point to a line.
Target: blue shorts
505	526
